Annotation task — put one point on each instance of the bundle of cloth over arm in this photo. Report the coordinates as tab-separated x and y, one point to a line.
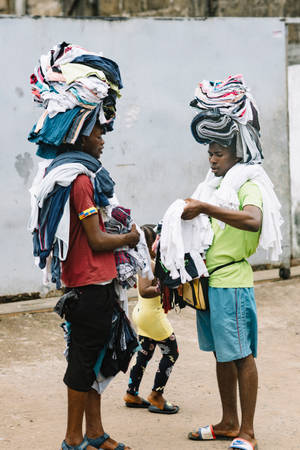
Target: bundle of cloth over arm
129	261
228	114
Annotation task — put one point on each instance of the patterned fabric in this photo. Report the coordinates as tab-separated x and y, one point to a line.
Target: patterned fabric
228	114
77	125
58	91
87	212
122	215
169	350
66	85
231	96
121	257
123	343
114	227
128	261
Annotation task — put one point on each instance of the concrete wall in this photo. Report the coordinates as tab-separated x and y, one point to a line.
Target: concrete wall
167	8
256	8
151	153
294	130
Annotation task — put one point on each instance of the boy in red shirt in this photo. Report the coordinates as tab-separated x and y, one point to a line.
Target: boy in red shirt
90	267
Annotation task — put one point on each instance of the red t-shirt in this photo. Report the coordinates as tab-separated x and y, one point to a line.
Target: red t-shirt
83	266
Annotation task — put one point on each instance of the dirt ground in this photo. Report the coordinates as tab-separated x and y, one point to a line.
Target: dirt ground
33	397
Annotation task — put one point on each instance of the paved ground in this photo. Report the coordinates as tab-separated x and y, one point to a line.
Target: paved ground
33	396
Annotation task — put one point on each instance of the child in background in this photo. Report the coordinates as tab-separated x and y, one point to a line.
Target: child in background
153	329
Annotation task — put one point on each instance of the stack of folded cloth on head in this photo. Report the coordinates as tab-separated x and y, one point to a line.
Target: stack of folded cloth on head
228	115
76	87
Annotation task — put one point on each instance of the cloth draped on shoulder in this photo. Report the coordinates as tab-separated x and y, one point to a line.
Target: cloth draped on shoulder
180	236
222	191
50	217
50	211
129	261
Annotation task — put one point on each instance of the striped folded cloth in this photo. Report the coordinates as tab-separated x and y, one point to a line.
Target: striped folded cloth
228	115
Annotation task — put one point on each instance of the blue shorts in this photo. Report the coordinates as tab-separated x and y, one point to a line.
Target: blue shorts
229	328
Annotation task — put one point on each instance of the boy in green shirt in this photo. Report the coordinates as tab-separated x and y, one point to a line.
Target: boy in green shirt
229	328
243	211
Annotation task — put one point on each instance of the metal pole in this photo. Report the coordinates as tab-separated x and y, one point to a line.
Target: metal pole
20	7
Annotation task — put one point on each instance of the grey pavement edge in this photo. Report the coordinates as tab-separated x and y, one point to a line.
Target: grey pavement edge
47	304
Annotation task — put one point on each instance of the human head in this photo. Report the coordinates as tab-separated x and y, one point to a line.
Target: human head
221	158
150	237
94	143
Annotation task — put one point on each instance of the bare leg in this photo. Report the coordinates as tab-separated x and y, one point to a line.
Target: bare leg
76	407
156	399
227	382
129	398
94	427
248	383
93	419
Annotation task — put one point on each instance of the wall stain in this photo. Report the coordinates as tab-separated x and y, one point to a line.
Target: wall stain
126	165
19	91
132	115
24	165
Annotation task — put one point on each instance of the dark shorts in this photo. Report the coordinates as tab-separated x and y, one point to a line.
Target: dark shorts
90	319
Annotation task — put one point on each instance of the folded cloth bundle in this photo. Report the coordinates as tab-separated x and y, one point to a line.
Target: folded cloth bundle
231	97
228	114
76	87
129	261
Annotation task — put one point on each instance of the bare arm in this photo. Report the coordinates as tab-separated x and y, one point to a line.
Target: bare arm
249	219
148	288
99	241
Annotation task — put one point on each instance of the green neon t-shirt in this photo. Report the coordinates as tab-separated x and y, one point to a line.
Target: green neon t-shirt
231	244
